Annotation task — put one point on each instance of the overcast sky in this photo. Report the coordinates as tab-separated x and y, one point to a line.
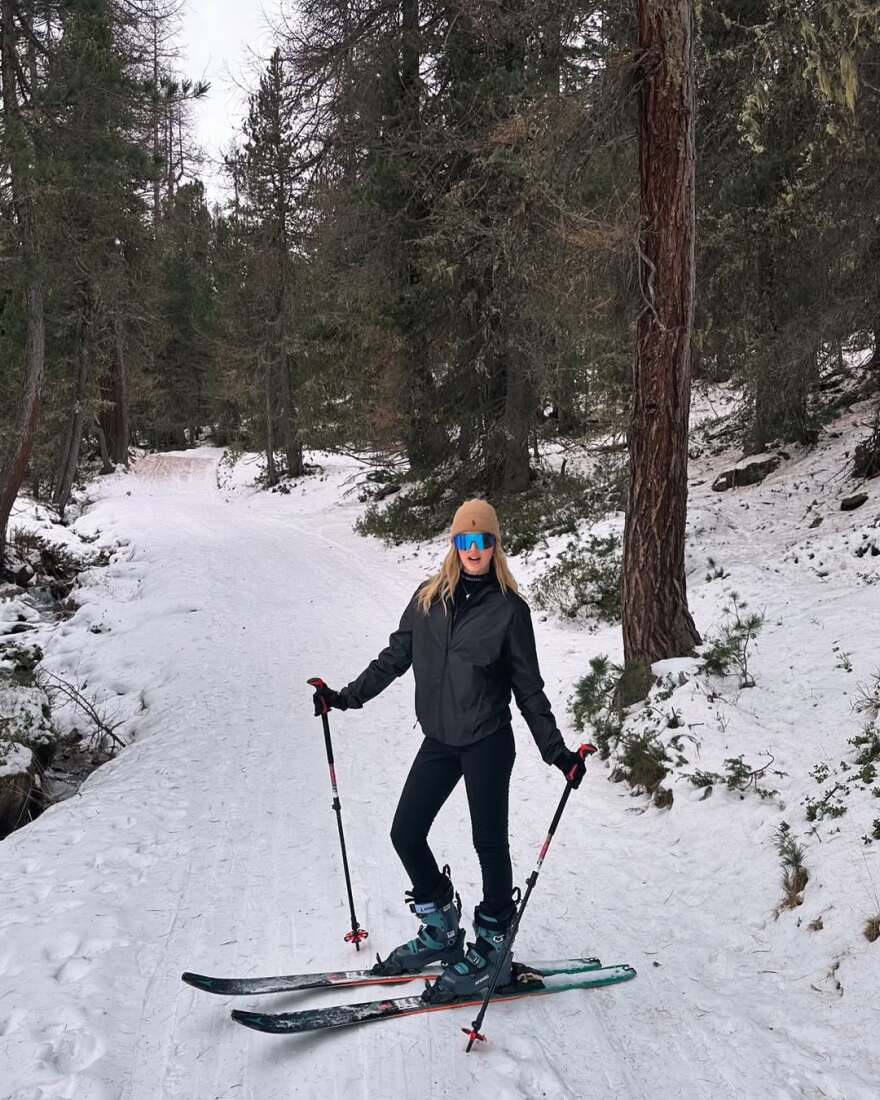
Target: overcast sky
216	40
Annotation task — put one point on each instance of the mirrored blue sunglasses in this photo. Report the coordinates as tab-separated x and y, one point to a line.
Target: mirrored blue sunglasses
481	539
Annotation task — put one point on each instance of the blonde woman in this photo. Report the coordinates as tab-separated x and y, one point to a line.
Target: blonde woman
468	635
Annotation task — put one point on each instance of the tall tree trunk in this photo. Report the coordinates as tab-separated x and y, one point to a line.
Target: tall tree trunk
120	446
70	457
518	423
106	462
657	623
269	404
157	146
19	160
292	443
424	439
114	411
508	423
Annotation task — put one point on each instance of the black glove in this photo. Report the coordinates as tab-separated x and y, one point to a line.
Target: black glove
572	766
326	698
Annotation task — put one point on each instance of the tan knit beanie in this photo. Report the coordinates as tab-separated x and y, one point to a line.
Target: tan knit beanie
475	515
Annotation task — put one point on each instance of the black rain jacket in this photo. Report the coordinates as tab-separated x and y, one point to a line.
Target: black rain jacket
465	666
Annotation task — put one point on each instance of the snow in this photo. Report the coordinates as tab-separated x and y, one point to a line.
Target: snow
15	759
210	844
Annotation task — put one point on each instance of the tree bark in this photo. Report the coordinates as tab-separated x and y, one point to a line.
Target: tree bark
508	424
106	462
70	457
424	438
114	411
657	623
271	469
19	159
157	147
292	443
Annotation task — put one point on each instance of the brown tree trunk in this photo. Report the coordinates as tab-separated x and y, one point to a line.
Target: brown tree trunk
509	422
518	423
19	160
271	469
292	444
424	438
157	146
70	457
656	621
120	444
114	411
106	462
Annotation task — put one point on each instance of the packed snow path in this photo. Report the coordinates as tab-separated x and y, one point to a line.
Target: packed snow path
210	845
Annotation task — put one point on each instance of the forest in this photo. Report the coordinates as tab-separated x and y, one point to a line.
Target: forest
434	244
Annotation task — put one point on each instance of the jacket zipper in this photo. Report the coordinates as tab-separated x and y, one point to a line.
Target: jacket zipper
450	626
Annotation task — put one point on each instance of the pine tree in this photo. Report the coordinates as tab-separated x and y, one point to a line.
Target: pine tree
657	623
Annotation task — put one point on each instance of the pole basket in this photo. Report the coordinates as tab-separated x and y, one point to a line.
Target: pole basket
473	1036
357	936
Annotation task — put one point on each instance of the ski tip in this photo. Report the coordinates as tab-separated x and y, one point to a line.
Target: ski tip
255	1020
200	981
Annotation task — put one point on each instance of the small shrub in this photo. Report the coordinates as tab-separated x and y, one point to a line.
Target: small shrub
831	804
795	875
663	798
820	772
700	778
645	760
843	659
715	572
594	704
584	579
866	460
24	543
738	776
729	649
413	516
872	928
867	699
867	745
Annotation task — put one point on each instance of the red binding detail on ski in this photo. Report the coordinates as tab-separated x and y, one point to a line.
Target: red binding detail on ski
357	936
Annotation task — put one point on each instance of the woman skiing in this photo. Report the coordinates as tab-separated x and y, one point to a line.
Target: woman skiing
468	636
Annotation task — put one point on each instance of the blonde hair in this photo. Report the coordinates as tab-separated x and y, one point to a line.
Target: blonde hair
442	584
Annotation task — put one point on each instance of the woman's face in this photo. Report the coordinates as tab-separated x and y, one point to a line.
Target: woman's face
476	561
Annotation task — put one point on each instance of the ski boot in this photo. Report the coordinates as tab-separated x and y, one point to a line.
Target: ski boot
472	975
439	939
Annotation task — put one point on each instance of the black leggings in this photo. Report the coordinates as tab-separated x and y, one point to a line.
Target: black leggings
486	767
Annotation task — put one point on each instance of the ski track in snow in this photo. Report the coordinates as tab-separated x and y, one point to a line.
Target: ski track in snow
210	845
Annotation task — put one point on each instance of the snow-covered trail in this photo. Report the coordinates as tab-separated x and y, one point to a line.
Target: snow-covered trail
210	845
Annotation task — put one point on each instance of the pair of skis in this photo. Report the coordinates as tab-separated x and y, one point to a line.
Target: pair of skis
537	979
529	980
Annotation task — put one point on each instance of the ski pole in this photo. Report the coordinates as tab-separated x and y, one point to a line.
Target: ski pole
357	933
473	1032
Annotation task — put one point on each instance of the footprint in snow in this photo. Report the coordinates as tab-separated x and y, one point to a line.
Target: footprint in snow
64	948
73	1051
12	1022
73	970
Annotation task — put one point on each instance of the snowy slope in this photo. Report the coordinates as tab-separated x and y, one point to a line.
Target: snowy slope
210	843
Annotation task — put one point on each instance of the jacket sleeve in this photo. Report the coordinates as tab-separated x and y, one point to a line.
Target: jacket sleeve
392	662
527	685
